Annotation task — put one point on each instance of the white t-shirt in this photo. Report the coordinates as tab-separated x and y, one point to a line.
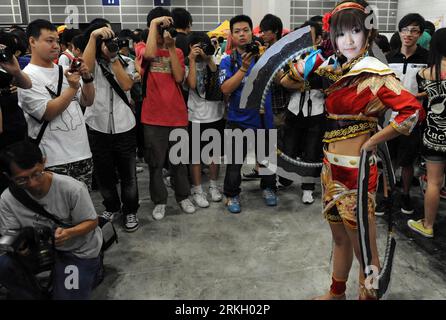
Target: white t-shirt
65	139
317	98
109	113
201	110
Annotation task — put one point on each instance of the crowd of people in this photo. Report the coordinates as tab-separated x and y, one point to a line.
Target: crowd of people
81	108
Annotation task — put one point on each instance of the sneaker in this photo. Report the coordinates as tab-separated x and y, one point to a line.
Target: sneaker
216	195
187	206
131	222
418	226
139	169
307	197
233	204
110	216
254	174
159	211
200	199
381	207
270	197
406	204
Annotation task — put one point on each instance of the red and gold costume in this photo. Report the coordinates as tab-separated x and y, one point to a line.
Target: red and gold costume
361	92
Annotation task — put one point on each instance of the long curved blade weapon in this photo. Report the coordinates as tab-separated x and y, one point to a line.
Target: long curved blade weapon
381	281
261	78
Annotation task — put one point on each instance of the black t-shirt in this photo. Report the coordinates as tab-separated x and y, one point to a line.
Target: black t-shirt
14	123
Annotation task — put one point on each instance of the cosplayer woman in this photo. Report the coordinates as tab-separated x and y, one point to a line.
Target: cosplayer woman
360	89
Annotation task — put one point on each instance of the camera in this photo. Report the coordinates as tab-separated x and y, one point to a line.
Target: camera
112	45
75	65
252	48
171	29
209	50
6	54
34	246
123	43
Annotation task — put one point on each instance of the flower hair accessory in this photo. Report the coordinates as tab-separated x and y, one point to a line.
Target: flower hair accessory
326	21
343	6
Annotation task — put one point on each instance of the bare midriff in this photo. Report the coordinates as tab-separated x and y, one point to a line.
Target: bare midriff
349	147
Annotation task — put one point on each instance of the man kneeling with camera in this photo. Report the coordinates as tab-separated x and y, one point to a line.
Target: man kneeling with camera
31	238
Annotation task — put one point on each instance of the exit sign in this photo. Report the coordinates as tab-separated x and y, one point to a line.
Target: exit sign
110	2
161	3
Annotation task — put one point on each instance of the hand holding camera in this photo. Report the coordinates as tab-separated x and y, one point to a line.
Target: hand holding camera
61	236
195	52
8	61
73	79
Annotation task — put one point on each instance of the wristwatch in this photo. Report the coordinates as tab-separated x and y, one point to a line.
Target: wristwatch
89	79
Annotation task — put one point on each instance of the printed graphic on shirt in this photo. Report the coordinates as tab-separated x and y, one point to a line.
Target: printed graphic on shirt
70	119
222	75
161	65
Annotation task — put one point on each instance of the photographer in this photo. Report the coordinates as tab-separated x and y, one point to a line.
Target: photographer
206	110
12	121
52	106
67	200
111	123
233	72
163	110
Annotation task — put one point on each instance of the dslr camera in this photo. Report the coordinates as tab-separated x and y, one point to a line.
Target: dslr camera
252	48
6	54
112	44
34	246
171	29
209	50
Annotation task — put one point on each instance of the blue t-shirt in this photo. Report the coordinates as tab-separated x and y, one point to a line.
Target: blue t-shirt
248	117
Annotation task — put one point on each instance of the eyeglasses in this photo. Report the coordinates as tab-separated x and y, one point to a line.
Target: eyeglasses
23	181
407	30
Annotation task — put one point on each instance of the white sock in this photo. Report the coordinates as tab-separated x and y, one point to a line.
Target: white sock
213	183
197	189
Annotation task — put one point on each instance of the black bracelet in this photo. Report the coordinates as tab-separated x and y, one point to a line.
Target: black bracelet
88	80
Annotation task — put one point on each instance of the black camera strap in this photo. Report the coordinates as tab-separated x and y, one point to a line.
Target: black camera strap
111	79
53	95
34	206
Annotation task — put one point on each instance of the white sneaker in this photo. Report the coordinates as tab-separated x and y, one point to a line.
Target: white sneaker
110	216
159	211
200	199
139	169
307	197
187	206
131	222
216	195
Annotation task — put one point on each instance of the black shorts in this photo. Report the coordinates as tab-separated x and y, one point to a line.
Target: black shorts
433	156
217	125
404	150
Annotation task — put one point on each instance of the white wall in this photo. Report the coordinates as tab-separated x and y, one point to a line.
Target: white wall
257	9
430	9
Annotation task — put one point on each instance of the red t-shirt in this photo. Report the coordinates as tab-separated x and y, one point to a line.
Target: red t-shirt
164	104
139	51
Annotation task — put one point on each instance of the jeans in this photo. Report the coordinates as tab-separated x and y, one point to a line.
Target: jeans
233	178
116	153
156	152
21	284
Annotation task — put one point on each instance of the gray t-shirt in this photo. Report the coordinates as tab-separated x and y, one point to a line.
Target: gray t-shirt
68	200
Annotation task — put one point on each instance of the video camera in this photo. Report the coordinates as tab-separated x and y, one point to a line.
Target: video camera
34	246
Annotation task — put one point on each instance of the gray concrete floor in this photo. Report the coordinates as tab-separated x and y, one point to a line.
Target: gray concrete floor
262	253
